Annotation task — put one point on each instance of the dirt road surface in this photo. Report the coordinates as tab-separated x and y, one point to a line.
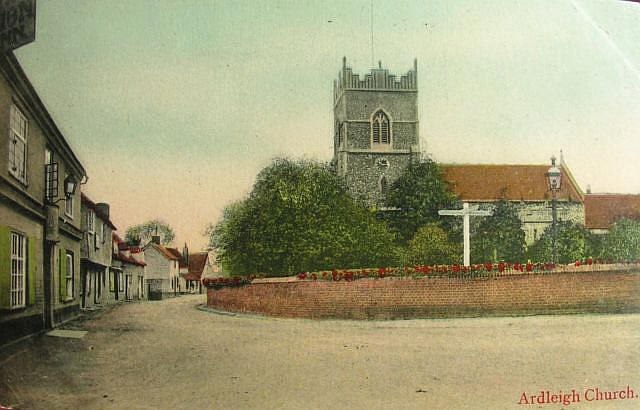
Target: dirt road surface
170	355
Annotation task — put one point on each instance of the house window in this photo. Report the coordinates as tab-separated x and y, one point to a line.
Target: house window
91	220
18	270
69	275
51	176
380	128
104	233
120	282
68	203
18	144
112	287
98	237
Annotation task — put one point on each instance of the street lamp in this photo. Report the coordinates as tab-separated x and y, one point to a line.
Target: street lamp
554	176
70	185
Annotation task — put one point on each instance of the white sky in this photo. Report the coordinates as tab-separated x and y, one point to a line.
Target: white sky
173	107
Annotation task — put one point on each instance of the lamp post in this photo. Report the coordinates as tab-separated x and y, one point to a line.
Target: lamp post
554	177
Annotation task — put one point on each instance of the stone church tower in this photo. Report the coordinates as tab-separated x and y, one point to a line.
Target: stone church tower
375	129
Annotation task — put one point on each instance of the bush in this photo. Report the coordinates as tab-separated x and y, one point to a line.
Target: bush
431	246
499	237
622	242
573	243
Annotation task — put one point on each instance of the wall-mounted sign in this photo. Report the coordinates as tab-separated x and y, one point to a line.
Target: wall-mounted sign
17	23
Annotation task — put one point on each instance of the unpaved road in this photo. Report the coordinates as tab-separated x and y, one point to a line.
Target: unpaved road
170	355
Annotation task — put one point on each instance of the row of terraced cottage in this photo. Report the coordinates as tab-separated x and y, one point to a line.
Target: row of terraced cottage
59	252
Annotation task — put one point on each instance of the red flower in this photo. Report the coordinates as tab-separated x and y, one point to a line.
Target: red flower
302	276
314	276
577	263
488	267
589	261
501	267
529	267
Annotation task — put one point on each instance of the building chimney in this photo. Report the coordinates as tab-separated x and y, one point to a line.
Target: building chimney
185	254
155	239
103	209
588	189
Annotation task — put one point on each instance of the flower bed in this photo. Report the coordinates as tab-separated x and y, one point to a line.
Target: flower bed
486	269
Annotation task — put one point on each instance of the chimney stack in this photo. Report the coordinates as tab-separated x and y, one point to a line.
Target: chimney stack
155	239
185	254
102	208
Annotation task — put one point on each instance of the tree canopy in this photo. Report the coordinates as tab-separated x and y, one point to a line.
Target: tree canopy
418	194
623	241
499	237
299	218
141	234
574	242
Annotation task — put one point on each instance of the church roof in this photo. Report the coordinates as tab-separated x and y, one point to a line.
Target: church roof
486	182
602	210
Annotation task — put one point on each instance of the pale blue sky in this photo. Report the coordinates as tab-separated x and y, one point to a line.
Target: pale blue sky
173	107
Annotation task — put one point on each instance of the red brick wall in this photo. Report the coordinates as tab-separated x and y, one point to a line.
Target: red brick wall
399	298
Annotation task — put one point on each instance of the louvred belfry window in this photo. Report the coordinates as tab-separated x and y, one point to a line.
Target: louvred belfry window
380	128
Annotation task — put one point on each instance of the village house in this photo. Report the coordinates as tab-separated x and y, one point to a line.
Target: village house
40	217
95	262
128	270
199	266
183	266
603	210
162	270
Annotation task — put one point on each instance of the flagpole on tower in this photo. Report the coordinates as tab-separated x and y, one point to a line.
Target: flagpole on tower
372	33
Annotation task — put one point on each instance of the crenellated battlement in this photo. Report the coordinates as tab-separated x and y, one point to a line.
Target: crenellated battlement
378	79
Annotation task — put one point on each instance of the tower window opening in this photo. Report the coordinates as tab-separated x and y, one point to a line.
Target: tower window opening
380	128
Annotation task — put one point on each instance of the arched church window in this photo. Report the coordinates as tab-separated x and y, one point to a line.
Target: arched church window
380	128
383	184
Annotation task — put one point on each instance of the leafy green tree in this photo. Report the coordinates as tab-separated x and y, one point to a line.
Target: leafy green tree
499	237
431	245
141	234
299	218
418	194
573	243
228	234
623	241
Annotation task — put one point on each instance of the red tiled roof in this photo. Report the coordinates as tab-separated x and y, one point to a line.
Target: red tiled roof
122	257
90	204
190	276
197	262
602	210
484	182
123	246
165	252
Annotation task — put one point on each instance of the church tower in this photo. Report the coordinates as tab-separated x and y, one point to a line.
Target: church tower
375	129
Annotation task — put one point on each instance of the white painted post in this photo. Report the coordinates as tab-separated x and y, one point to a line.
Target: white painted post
465	213
466	234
